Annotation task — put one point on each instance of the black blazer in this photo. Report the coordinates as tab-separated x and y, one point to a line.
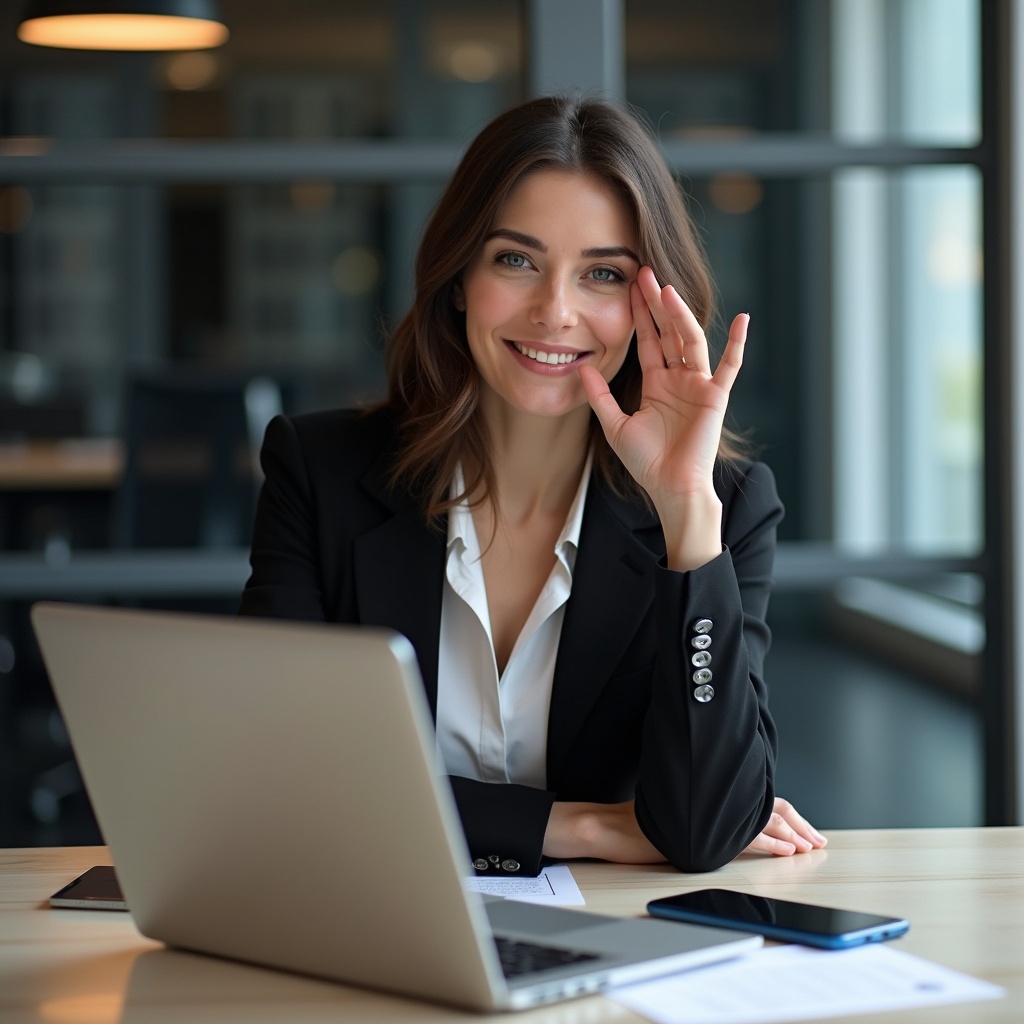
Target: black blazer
333	542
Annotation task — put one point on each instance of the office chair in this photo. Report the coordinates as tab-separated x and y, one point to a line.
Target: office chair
191	478
191	475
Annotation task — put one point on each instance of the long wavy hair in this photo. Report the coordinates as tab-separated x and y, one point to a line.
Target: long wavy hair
433	383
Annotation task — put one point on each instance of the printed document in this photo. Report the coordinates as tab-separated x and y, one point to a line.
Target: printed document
554	885
792	983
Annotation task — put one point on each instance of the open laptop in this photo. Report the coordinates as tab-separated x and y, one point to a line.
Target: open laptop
268	792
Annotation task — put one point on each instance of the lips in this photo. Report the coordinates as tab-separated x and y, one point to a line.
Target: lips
548	358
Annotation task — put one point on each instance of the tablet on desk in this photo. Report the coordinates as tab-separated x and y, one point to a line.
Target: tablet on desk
95	889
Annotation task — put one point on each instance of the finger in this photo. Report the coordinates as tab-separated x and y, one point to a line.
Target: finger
798	823
732	358
769	844
670	343
779	828
648	344
602	401
681	332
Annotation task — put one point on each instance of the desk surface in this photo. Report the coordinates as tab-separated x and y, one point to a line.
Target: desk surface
961	889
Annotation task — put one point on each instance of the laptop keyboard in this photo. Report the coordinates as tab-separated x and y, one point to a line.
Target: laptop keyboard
519	957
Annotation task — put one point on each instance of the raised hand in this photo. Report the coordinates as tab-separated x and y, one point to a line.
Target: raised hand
670	443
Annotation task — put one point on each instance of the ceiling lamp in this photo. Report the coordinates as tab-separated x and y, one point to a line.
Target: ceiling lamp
123	24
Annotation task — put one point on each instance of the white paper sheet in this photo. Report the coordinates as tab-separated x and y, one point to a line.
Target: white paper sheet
554	885
790	983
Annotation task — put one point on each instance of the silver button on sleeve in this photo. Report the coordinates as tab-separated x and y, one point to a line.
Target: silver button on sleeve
703	626
704	693
701	641
701	676
700	659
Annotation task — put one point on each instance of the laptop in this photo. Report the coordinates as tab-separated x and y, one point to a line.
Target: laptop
269	793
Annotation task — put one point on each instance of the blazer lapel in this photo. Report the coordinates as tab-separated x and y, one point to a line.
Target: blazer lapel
399	572
612	591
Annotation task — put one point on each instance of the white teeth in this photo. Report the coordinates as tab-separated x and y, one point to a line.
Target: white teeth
547	357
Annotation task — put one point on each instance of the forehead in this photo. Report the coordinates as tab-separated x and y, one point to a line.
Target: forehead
548	202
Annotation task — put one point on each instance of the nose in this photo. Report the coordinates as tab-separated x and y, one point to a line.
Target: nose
552	305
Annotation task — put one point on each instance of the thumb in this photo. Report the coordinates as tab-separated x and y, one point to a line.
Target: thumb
602	401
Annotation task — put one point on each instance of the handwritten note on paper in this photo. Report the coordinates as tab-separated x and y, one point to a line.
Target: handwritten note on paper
790	983
554	885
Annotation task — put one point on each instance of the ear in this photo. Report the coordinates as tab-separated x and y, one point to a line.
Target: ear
459	296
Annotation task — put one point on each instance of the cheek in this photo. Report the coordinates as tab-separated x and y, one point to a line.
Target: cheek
486	302
613	324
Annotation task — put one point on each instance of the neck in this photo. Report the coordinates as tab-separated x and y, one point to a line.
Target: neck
537	460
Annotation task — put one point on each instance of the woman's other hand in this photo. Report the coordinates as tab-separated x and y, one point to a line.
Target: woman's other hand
602	831
610	832
786	833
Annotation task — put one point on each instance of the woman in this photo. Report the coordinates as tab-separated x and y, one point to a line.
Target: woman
547	507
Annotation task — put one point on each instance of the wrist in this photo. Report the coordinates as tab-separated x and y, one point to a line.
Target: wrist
572	830
692	526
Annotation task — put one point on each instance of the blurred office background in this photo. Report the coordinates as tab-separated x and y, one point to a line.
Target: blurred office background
250	212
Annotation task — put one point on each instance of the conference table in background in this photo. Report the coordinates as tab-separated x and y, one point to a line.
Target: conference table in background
33	471
961	889
61	464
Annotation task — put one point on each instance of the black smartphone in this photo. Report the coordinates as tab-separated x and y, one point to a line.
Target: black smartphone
95	889
806	923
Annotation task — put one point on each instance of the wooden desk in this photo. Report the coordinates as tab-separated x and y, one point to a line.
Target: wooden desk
962	890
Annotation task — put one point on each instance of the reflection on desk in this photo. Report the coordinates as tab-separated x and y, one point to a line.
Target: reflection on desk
70	464
961	889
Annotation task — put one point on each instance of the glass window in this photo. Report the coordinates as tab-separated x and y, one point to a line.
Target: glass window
908	357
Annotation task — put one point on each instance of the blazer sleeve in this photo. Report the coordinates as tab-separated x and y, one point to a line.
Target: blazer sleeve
504	824
706	782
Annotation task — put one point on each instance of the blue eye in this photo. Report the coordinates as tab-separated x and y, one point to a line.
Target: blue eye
606	275
514	260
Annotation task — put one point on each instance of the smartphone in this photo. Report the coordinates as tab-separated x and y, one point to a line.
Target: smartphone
95	889
806	923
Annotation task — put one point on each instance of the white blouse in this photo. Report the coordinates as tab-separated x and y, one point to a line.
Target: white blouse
489	728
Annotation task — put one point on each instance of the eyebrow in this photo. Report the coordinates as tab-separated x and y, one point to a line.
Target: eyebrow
599	252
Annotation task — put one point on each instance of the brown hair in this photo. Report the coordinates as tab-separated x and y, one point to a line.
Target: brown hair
433	384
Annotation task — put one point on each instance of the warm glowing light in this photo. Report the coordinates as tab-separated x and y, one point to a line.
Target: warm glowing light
312	196
15	209
474	62
733	192
191	71
123	32
95	1008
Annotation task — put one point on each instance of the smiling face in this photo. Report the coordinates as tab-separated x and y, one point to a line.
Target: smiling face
548	290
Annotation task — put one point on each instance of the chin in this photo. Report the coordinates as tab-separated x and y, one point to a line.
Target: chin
553	408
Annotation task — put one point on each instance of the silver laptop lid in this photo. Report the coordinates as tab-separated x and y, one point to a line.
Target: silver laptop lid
221	802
